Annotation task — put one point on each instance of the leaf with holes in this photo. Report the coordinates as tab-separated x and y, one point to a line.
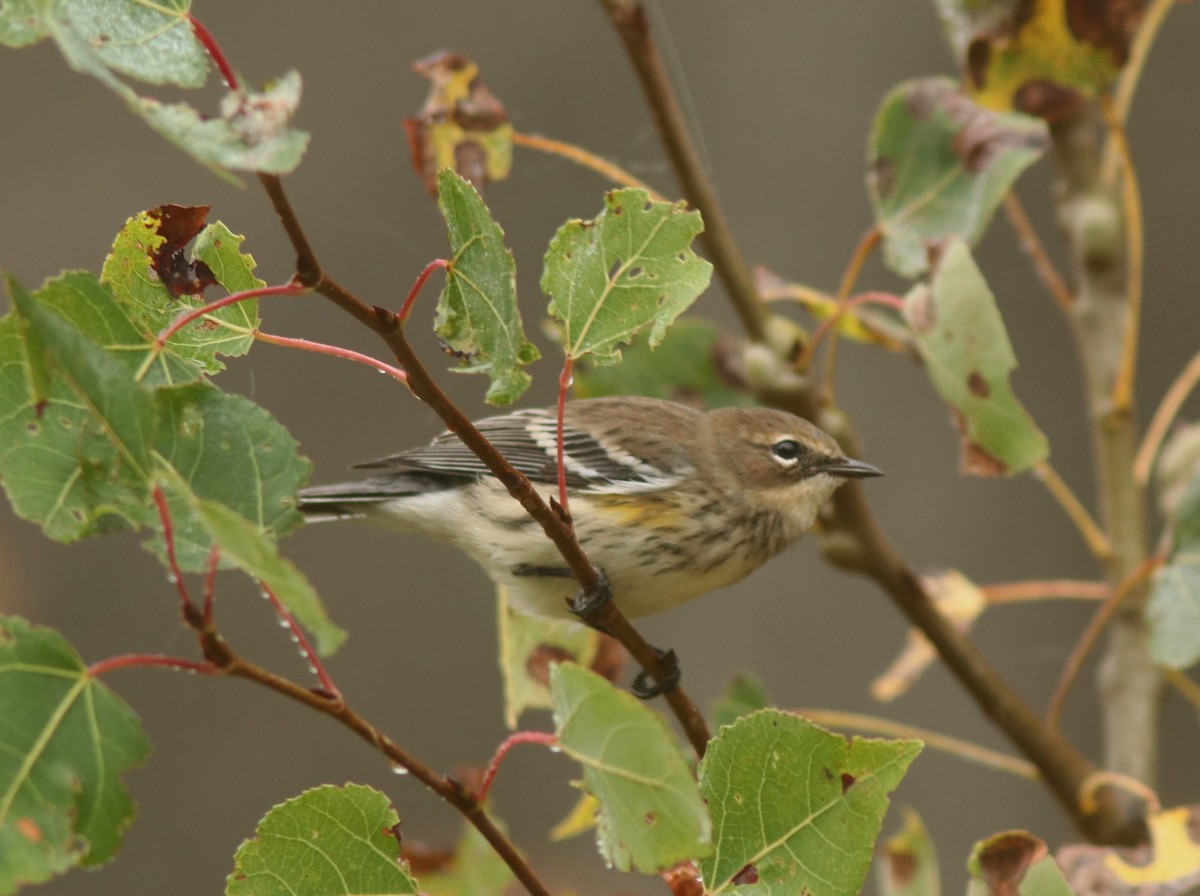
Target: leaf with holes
965	347
630	268
651	813
328	841
939	167
65	741
812	829
477	317
155	278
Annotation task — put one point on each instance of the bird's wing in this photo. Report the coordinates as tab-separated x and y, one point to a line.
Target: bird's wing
528	440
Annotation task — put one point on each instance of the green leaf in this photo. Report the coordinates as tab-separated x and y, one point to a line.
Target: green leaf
909	862
939	167
329	841
152	42
528	646
21	22
120	406
695	363
1173	609
651	813
743	695
801	805
129	271
630	268
72	460
1015	862
56	464
65	741
252	132
155	43
477	315
251	549
475	869
228	450
962	340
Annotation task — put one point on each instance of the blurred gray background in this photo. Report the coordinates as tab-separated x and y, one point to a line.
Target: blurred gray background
781	95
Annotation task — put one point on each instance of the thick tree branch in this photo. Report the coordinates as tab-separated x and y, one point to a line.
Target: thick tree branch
858	543
1090	213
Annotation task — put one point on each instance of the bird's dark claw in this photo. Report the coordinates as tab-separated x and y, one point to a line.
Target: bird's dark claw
588	603
645	688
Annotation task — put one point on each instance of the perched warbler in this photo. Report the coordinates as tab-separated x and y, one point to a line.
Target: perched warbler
669	501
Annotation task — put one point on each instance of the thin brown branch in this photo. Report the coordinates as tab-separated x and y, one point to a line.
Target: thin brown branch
963	749
1097	541
387	326
866	245
1091	635
589	160
1032	246
1070	589
445	787
629	19
1187	688
1164	414
860	545
1139	50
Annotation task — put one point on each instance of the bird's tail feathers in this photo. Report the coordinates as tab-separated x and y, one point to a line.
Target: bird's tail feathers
350	499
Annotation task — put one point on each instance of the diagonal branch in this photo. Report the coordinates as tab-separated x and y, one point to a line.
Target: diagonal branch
387	326
629	19
1118	816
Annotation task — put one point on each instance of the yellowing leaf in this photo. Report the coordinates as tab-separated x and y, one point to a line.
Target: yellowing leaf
462	125
1168	865
1040	56
581	818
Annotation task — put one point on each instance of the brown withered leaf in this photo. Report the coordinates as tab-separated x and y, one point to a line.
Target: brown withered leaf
1042	57
461	126
178	225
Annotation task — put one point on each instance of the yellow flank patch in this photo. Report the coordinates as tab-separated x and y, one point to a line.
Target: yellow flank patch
637	510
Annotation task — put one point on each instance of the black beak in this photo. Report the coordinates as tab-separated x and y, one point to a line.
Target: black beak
850	469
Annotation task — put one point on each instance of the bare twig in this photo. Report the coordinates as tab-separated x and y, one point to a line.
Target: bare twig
866	245
1091	635
1139	50
1016	592
833	718
591	161
1164	414
1031	244
1097	541
632	26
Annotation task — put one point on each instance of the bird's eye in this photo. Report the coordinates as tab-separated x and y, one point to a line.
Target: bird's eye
787	449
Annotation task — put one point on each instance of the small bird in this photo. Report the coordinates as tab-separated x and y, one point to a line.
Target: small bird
671	502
